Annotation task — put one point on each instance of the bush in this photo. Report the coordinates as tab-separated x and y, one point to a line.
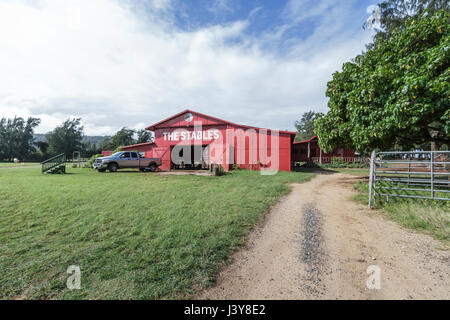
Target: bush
340	163
91	160
219	170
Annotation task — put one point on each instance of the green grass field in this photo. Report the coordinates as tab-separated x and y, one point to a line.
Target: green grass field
22	164
134	235
361	172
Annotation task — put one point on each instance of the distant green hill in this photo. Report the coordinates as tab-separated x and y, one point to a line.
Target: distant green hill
92	139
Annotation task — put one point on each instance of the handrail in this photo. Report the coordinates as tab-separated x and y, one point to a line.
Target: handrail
406	152
53	162
48	160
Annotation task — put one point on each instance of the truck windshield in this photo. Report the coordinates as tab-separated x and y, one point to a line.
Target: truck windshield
116	154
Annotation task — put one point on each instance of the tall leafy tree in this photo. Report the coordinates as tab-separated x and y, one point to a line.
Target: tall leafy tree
106	145
89	149
305	126
395	13
43	147
396	94
123	137
144	136
16	137
3	142
66	138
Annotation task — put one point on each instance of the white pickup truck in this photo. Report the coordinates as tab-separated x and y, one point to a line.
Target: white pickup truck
126	160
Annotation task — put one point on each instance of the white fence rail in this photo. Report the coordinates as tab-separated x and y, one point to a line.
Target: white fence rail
410	174
344	159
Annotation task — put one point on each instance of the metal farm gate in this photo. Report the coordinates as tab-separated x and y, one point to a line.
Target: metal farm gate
409	174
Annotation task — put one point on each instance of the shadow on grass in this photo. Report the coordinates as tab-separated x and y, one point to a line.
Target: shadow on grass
56	174
125	171
314	170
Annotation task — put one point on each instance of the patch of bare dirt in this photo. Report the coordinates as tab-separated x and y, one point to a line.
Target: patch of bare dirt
317	244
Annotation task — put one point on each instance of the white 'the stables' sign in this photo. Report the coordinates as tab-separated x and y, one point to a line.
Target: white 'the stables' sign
191	135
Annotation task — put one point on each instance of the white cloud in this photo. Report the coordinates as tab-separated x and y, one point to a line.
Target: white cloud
115	64
219	6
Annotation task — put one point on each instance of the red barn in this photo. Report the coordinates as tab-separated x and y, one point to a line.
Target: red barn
309	149
192	140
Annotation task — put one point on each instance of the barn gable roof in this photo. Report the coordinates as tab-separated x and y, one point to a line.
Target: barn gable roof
179	120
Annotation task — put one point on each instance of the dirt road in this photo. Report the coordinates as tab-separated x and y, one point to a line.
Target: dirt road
317	244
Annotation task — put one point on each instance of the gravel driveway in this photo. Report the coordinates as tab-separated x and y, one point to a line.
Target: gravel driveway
317	244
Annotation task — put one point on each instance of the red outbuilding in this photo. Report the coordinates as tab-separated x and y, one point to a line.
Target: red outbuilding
192	140
107	153
309	150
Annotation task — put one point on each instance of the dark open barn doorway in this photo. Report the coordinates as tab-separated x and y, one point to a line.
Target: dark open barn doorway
194	157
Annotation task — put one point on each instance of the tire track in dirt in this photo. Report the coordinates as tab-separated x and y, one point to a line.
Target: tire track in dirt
312	252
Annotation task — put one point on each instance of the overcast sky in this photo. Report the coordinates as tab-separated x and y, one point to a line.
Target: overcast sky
131	63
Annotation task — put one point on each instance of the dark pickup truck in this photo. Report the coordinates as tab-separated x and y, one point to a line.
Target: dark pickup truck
126	160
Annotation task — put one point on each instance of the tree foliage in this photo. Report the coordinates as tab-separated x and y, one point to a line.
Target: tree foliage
397	93
17	140
16	137
43	147
123	137
305	126
66	138
394	13
144	136
89	149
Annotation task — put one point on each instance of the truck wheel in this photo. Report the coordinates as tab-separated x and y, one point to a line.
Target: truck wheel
112	167
152	167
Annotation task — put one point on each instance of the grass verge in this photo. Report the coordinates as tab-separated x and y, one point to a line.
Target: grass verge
431	217
134	235
22	164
